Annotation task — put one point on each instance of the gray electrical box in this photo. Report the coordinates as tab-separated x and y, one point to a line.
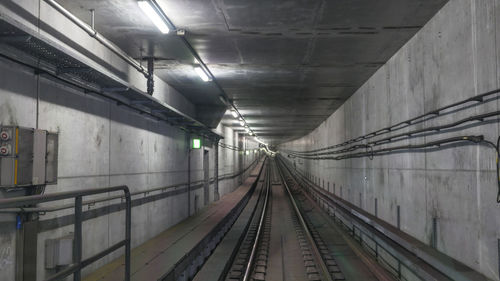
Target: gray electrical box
27	157
58	252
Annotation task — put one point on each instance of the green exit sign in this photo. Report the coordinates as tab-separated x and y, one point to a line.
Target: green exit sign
196	143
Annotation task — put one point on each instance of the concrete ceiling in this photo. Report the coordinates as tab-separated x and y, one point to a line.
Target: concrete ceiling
287	64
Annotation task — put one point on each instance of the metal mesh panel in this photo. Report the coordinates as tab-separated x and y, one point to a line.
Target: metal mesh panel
65	66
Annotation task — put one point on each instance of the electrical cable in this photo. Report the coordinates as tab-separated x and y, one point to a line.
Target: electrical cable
415	120
231	147
314	155
378	152
371	153
480	118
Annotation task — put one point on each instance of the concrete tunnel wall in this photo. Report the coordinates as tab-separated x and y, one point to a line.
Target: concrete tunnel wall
102	144
453	57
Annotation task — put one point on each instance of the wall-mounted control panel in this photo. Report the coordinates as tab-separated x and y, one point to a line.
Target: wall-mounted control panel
28	157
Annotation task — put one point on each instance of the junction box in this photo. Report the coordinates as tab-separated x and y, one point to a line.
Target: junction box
28	157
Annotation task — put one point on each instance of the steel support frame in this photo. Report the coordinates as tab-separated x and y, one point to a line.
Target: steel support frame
78	263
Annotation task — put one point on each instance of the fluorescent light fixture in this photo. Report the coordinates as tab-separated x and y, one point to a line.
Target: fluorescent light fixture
202	74
247	130
234	113
242	123
154	16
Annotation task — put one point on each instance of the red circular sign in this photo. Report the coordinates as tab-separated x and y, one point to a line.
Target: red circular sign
4	136
3	150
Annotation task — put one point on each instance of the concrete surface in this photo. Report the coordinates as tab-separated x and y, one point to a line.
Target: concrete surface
102	144
287	64
40	16
158	256
453	57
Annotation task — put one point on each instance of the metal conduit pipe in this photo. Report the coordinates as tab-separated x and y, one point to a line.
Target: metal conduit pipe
112	47
93	33
109	198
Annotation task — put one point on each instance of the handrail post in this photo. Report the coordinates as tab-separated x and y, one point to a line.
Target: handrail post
77	253
128	226
78	264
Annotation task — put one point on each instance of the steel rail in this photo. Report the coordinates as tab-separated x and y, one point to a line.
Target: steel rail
326	276
380	273
248	269
381	231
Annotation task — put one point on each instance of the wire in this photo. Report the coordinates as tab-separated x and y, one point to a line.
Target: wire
382	151
479	118
231	147
410	122
370	153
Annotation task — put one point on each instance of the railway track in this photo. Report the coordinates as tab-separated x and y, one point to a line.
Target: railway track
281	243
296	231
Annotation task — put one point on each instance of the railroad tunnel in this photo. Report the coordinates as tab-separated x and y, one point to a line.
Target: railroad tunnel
249	140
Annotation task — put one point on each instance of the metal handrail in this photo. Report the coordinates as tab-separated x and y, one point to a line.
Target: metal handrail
78	263
109	198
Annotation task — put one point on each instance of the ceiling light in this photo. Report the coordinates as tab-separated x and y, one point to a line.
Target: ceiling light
202	74
242	123
234	113
247	130
154	16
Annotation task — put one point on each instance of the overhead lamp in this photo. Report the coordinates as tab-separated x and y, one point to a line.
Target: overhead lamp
247	130
202	74
242	123
154	15
234	113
